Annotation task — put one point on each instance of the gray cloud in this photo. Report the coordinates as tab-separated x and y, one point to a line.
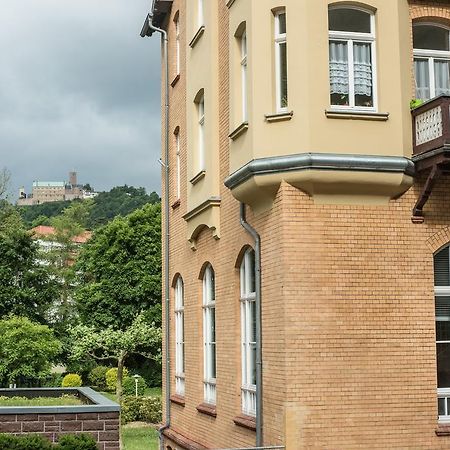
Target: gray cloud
79	89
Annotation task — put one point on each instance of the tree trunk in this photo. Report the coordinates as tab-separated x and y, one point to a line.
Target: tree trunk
120	366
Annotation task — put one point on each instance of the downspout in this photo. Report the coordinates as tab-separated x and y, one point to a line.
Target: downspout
259	386
164	42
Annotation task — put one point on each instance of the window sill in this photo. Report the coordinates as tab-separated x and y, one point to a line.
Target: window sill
177	399
279	117
229	3
356	115
176	204
206	408
443	429
197	36
198	177
245	421
175	80
241	129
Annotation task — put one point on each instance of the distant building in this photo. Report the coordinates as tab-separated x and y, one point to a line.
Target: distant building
54	191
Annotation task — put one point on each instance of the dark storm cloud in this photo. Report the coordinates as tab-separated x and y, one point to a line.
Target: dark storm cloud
79	89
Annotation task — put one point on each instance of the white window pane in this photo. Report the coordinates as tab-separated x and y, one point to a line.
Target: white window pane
422	73
339	75
362	62
431	37
347	19
442	77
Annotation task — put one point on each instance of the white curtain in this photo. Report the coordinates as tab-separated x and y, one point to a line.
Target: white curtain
338	68
422	79
363	69
442	77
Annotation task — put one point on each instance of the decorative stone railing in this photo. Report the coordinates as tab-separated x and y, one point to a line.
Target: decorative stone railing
431	125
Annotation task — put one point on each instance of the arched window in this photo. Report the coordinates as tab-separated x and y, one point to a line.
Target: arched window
177	43
352	58
178	158
243	45
209	335
442	313
431	60
248	333
179	337
281	81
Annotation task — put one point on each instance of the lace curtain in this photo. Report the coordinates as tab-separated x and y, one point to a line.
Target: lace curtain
339	75
442	77
422	79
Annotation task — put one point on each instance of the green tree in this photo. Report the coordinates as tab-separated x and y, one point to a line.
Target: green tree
140	337
119	271
27	349
26	287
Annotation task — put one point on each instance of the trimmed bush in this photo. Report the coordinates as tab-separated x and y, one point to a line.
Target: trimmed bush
76	442
71	380
97	377
145	409
111	378
129	386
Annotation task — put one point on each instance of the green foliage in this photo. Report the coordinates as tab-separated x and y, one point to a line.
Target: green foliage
72	380
53	380
146	409
97	377
129	386
76	442
64	400
48	210
26	287
120	270
111	378
27	349
415	103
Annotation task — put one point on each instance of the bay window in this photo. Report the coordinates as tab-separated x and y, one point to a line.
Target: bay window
281	62
248	333
352	58
209	335
179	337
431	60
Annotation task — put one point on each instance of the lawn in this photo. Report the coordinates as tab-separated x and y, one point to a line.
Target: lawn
139	436
64	400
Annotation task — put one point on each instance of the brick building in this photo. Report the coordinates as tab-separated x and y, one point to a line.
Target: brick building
307	273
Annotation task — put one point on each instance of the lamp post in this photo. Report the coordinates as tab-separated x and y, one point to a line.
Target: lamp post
136	381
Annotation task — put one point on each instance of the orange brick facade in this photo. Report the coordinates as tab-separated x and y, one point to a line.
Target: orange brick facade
349	355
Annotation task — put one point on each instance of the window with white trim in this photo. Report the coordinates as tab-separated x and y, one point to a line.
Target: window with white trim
248	333
442	314
281	81
243	42
177	44
201	131
431	44
200	13
209	335
177	150
179	337
352	58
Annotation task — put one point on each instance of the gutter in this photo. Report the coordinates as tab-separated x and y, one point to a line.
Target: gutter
148	30
259	379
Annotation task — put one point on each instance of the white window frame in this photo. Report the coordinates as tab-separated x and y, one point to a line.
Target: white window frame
209	344
280	39
200	13
179	338
244	50
248	357
364	38
430	56
177	45
178	157
201	132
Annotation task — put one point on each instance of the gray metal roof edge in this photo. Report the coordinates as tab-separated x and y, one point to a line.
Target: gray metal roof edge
100	403
320	161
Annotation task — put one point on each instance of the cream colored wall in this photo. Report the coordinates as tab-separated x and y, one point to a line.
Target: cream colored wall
202	73
308	83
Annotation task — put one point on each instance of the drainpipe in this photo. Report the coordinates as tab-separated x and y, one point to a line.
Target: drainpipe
165	164
259	386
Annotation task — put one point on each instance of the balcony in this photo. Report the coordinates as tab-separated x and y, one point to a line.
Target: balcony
431	146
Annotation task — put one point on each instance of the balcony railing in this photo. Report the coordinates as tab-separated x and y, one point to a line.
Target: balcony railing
431	125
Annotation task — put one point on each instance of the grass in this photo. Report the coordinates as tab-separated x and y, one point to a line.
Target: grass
138	436
65	400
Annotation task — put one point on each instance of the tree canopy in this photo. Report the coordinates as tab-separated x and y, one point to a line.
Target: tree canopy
119	270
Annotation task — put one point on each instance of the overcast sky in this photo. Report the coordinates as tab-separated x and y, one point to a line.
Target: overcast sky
79	89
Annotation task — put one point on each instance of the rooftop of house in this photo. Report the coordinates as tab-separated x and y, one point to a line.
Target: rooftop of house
46	231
